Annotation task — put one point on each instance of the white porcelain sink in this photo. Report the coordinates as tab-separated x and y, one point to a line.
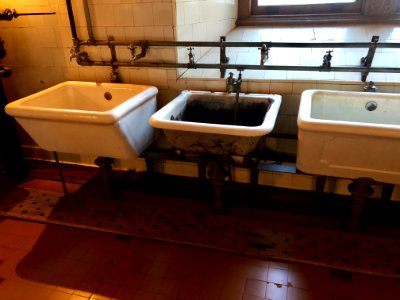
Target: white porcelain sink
349	135
103	119
203	122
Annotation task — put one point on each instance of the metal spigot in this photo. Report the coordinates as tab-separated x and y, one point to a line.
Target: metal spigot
326	60
264	54
191	55
114	75
73	52
370	87
233	85
75	49
134	54
83	59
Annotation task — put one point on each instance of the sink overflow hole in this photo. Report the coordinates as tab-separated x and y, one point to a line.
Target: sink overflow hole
108	96
371	105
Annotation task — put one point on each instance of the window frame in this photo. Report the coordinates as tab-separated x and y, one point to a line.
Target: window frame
364	11
312	9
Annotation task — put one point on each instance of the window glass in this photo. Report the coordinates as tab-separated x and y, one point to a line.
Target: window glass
300	2
271	7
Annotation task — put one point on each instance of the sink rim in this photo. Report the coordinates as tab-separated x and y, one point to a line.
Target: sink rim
20	109
306	122
161	118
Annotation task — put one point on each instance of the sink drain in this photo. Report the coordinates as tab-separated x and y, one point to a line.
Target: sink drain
108	96
371	105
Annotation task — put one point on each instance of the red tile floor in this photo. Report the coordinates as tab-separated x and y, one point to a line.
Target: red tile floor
42	261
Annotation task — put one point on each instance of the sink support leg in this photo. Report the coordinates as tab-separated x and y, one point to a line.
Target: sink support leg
60	173
320	185
360	189
387	191
105	164
217	174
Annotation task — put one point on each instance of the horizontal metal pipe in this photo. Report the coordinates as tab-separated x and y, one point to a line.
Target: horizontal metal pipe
237	44
246	67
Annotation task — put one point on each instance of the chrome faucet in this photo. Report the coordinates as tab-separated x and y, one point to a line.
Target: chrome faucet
326	60
232	84
370	87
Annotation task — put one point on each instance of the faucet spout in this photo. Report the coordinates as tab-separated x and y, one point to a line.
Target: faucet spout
232	84
370	87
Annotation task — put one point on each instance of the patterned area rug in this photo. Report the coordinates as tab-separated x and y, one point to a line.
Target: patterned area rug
271	240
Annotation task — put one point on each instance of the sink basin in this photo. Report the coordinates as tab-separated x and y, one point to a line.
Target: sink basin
349	135
103	119
203	122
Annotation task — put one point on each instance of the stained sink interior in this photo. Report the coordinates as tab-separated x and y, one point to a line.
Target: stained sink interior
251	112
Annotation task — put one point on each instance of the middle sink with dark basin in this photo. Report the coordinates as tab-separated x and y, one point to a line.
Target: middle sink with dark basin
217	123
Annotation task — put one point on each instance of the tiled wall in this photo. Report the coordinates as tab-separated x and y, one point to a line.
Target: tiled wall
38	51
203	20
38	47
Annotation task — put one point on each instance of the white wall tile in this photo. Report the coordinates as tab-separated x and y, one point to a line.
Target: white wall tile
300	87
169	33
154	33
191	12
283	180
163	13
139	76
102	15
86	74
290	105
265	178
241	175
281	87
123	15
143	14
158	77
303	182
134	33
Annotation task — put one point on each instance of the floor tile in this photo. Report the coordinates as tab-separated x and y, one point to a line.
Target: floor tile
70	263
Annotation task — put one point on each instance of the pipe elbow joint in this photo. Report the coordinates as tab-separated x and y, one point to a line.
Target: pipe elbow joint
82	58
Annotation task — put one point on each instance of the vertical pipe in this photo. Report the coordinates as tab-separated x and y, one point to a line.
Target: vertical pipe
71	19
114	68
367	60
60	173
223	59
88	21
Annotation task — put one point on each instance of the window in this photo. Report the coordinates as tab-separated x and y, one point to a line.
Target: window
262	12
297	2
266	7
